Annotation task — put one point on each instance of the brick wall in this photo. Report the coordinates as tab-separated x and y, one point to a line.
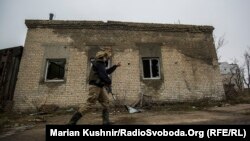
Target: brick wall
189	64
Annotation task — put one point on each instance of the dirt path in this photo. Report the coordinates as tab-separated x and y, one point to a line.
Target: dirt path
236	114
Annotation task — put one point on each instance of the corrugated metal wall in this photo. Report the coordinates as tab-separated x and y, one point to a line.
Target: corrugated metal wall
9	66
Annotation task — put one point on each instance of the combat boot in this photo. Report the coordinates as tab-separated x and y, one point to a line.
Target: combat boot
75	118
105	117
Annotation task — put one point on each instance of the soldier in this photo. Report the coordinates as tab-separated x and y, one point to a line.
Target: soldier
98	79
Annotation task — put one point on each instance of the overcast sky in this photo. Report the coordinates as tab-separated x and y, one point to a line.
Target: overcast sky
230	18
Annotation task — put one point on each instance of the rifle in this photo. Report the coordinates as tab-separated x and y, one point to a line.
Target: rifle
128	108
109	90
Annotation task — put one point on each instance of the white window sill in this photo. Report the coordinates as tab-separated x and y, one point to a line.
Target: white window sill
51	81
151	78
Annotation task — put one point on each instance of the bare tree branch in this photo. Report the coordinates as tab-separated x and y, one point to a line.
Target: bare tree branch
219	44
247	67
238	76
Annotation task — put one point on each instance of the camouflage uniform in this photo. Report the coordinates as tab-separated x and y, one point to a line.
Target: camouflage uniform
97	80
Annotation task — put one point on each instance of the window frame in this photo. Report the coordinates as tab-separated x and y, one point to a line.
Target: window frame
150	68
46	70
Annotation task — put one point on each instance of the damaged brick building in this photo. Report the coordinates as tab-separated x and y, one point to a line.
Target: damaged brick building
163	62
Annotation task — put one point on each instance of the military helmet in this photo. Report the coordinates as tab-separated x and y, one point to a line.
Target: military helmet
105	52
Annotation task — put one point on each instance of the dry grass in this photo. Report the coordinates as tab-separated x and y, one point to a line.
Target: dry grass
12	118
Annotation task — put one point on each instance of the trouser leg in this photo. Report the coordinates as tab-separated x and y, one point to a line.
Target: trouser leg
104	100
91	100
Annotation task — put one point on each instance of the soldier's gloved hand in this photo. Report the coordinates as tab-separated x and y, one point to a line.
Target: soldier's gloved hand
118	64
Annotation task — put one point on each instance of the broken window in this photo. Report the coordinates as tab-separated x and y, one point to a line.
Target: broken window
55	70
151	68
